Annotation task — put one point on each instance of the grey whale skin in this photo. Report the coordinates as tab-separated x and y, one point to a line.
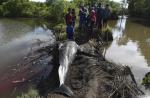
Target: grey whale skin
67	53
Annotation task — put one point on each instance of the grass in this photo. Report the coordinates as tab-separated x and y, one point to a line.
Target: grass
60	32
30	94
107	29
105	33
146	81
61	36
60	27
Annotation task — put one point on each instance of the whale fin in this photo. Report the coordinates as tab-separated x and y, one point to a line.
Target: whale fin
65	90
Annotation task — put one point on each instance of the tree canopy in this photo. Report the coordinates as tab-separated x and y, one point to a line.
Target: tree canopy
139	8
51	9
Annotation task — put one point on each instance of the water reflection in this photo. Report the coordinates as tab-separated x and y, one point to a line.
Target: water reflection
131	47
17	38
119	28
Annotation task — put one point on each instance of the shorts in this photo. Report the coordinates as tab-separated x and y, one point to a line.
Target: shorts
69	31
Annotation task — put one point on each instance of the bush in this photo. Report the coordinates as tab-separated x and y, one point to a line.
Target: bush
146	81
58	10
31	94
25	8
107	34
1	10
15	8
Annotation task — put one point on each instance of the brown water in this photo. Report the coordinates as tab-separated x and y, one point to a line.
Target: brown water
131	46
18	38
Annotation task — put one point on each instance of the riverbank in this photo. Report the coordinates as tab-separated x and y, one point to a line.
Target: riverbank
131	45
91	76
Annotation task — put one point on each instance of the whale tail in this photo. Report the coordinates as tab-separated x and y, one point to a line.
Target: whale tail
65	90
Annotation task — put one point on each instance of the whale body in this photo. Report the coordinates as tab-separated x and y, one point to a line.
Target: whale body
67	53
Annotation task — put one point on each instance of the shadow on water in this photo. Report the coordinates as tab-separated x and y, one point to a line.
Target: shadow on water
143	22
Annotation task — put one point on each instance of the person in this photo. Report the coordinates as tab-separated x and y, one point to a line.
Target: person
100	16
92	20
73	17
106	15
69	28
70	32
68	17
82	18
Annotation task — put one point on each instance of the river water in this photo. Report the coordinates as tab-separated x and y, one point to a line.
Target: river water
18	37
131	46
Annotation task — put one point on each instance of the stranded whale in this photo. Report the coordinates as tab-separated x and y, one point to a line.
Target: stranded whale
67	52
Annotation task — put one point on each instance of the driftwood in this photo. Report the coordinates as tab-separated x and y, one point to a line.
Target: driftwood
125	84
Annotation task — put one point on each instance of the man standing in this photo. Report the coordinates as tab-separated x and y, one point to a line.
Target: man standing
82	18
69	28
100	16
92	20
68	17
106	15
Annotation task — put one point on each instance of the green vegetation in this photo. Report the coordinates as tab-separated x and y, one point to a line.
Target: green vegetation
52	9
30	94
23	8
146	81
139	8
105	34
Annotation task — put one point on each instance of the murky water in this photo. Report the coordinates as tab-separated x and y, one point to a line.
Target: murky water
131	46
18	37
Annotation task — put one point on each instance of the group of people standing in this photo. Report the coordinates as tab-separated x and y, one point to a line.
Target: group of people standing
94	16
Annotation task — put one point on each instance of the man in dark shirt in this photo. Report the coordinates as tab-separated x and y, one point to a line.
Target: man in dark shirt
68	17
100	16
106	15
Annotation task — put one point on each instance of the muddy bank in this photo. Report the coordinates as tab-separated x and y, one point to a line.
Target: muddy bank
91	76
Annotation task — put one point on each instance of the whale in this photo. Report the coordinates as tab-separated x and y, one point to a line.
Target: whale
63	56
67	53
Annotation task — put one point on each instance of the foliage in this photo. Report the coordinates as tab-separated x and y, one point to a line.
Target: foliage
139	8
52	9
116	8
31	94
107	34
58	10
15	7
25	8
2	1
1	10
61	36
146	80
